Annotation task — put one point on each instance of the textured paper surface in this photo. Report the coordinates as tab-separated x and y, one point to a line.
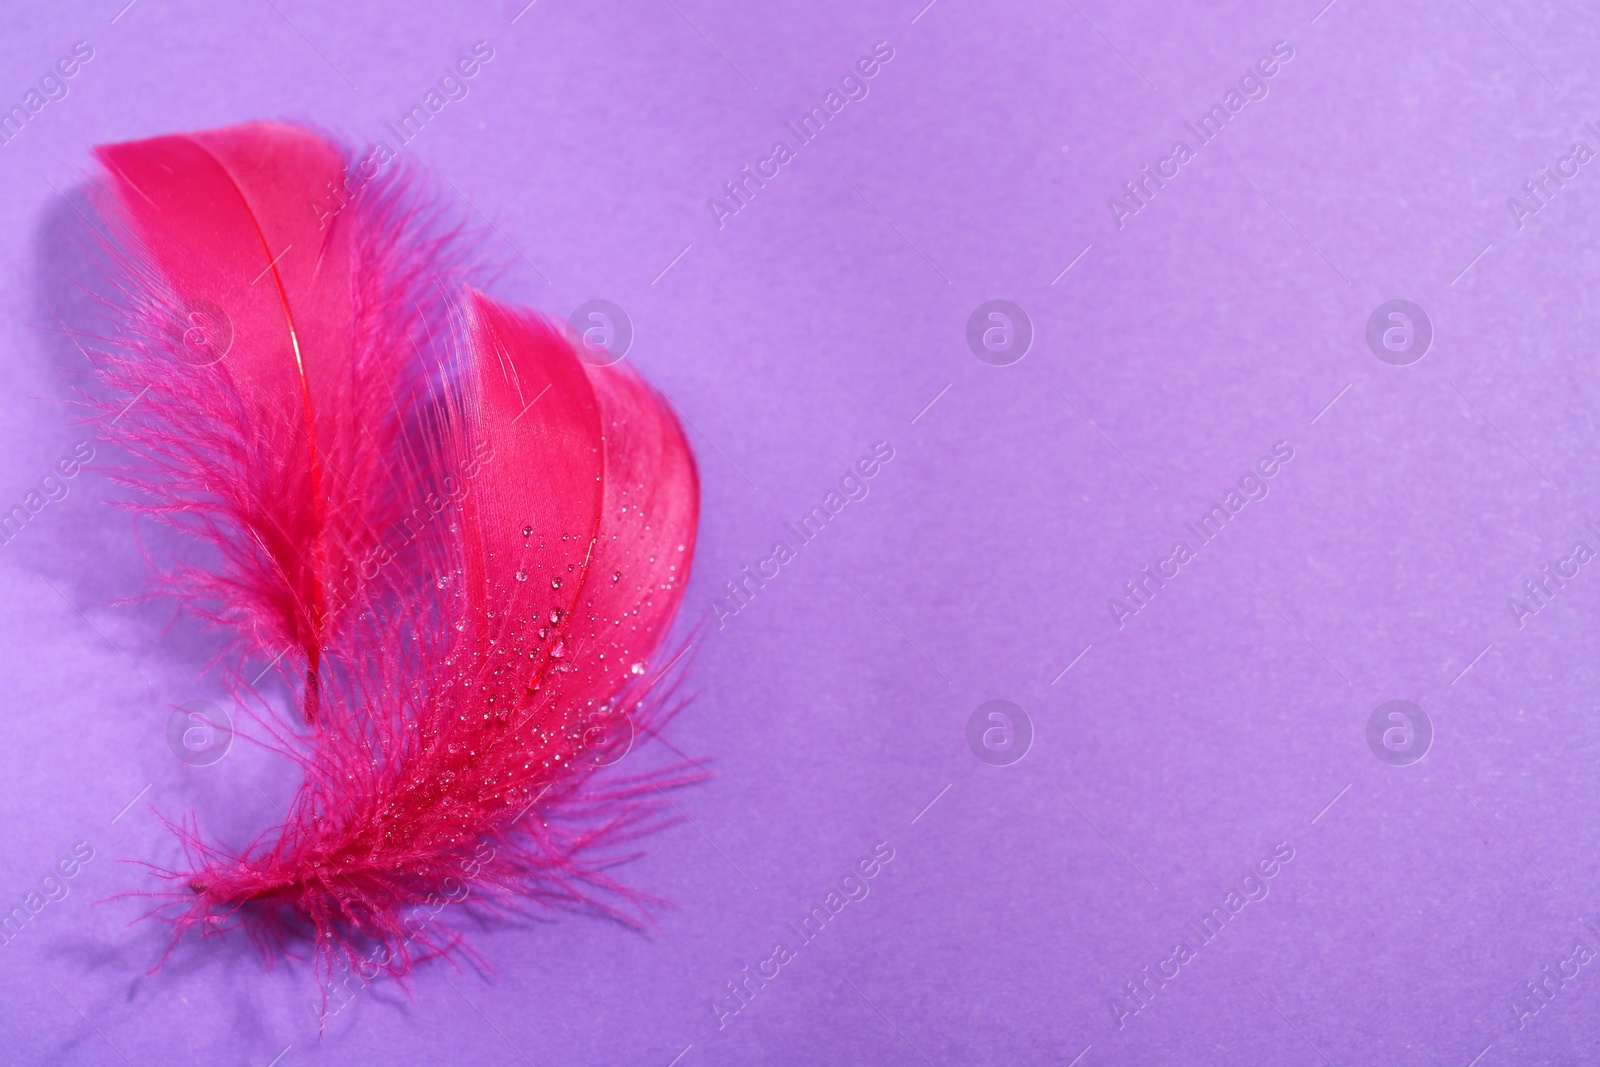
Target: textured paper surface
1177	750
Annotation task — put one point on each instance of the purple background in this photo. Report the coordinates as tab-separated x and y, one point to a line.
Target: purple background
1176	752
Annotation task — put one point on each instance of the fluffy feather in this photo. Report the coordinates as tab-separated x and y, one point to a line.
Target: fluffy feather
474	542
269	356
458	733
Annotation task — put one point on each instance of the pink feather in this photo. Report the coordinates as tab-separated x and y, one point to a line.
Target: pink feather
521	523
470	718
269	362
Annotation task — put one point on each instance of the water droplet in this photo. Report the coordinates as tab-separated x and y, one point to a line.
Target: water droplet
617	577
444	580
555	583
637	668
527	531
559	651
461	624
522	575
